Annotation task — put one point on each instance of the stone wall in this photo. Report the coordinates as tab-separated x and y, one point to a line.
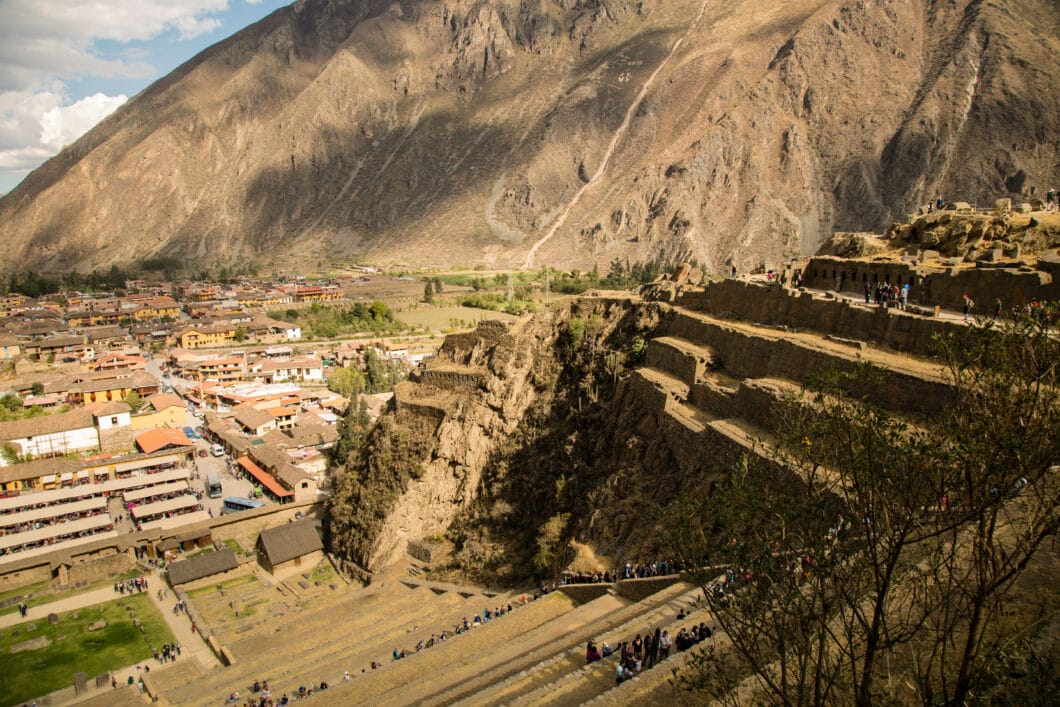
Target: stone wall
682	364
748	355
25	576
934	286
641	589
116	439
103	567
583	593
774	305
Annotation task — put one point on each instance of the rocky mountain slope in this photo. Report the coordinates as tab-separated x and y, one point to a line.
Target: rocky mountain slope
555	131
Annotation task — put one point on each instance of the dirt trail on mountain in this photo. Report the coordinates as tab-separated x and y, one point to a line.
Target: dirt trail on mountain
619	133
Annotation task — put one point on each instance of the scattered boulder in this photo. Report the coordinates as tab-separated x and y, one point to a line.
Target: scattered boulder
53	618
32	644
97	625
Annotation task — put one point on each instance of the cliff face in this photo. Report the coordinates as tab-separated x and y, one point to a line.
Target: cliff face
478	430
555	131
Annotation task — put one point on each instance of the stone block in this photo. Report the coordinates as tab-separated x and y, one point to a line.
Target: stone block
80	682
97	625
53	619
103	680
1003	205
1024	208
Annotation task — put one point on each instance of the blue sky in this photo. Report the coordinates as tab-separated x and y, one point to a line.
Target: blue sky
67	64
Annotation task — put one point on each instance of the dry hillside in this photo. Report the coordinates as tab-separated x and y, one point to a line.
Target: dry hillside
566	131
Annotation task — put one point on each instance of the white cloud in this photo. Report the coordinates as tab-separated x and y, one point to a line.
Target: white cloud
64	124
43	39
46	43
36	125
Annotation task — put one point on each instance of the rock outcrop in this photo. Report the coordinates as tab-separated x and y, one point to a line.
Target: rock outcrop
468	131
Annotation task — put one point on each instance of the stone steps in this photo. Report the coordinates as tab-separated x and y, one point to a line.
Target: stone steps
589	681
290	645
360	650
746	351
680	358
653	686
534	642
661	606
332	622
437	669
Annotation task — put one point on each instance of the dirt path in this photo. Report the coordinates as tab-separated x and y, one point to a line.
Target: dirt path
191	642
78	601
619	133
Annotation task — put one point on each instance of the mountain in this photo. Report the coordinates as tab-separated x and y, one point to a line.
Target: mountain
559	131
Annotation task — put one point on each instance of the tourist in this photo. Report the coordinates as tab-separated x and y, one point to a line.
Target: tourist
592	655
997	309
905	295
665	641
966	305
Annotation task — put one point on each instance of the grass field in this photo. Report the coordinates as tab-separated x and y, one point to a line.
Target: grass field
73	648
448	318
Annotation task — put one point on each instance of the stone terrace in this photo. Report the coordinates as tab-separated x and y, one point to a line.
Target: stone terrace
717	376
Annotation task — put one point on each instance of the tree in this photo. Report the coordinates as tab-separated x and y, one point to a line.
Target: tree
133	400
428	293
37	388
437	286
241	334
346	382
862	544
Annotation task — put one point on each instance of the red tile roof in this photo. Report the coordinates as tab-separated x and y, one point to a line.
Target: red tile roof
153	440
264	477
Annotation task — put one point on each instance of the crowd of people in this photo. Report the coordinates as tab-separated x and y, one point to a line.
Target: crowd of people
645	651
133	585
640	570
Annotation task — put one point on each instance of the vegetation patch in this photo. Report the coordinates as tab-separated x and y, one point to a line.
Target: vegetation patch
73	648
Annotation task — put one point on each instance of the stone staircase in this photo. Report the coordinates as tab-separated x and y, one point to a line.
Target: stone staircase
564	667
344	635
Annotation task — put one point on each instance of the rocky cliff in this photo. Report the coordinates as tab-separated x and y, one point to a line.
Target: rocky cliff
490	427
559	131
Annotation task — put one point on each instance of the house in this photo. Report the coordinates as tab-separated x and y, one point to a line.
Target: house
201	566
290	546
307	368
198	337
106	388
119	362
255	422
113	425
163	410
50	435
162	438
225	369
9	347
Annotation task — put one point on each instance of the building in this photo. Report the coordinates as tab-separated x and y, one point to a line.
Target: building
50	435
198	337
163	410
201	566
255	422
114	425
107	388
302	369
290	546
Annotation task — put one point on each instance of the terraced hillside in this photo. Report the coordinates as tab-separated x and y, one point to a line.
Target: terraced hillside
582	423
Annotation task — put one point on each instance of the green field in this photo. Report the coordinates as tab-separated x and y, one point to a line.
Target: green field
31	673
448	318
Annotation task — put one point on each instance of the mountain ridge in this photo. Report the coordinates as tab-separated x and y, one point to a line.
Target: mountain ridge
457	133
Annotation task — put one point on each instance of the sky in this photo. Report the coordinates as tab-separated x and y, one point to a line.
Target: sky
67	64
